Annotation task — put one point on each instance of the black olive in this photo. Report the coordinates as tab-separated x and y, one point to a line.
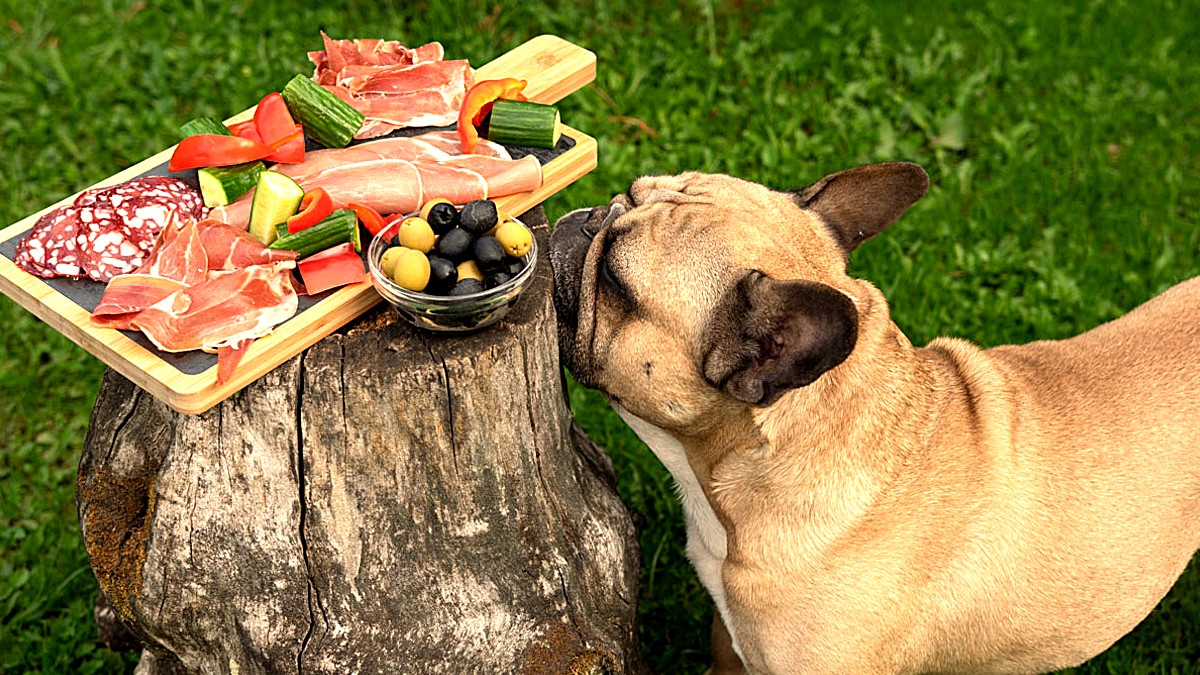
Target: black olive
489	253
512	265
442	217
455	244
496	279
478	216
467	287
442	275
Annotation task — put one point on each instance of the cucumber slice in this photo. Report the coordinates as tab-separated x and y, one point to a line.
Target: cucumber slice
204	125
339	227
276	198
223	184
524	123
326	118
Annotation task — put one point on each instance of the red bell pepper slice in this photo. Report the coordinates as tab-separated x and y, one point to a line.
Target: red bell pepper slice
273	120
477	104
315	206
369	217
335	266
289	149
241	128
203	150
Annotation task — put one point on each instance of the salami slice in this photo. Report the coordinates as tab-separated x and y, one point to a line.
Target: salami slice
107	231
52	247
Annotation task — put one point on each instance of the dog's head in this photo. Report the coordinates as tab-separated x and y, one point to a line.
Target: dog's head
697	291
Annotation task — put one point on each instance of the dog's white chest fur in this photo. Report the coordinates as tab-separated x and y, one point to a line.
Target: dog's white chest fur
706	542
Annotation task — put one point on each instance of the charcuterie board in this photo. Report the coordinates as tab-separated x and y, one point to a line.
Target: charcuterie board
553	68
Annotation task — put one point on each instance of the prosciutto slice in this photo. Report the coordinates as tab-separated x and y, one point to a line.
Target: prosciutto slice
398	175
392	85
221	311
340	55
178	260
226	248
206	286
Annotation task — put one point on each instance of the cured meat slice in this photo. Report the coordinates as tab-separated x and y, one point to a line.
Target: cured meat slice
224	310
108	249
228	357
172	192
207	286
399	186
447	142
184	256
52	247
392	85
338	55
388	185
425	95
179	255
128	294
227	248
107	231
503	177
177	262
398	175
429	147
442	77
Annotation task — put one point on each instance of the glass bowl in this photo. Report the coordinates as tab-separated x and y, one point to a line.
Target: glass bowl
449	314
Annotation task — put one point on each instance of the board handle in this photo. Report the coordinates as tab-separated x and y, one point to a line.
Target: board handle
553	67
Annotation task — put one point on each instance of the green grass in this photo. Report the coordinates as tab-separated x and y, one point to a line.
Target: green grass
1061	138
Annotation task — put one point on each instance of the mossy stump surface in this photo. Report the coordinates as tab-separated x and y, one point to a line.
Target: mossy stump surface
389	501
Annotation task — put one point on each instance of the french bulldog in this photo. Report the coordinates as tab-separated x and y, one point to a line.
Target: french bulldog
855	504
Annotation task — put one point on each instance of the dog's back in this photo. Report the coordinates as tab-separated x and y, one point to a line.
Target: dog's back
1095	450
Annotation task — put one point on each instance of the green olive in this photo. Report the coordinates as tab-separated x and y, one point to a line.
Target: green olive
469	270
412	270
415	233
387	261
515	238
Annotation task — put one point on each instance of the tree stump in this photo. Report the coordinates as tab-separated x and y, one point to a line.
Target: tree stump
389	501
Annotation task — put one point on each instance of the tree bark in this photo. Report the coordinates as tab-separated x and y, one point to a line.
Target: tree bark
389	501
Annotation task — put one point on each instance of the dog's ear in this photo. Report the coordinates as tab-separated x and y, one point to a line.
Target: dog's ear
769	336
858	204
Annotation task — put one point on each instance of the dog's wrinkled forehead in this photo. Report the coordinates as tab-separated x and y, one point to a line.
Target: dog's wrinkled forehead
697	188
767	229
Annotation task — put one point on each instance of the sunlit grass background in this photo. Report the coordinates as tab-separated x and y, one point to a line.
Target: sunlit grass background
1061	138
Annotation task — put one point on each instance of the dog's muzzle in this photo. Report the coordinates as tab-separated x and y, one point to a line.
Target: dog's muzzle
569	243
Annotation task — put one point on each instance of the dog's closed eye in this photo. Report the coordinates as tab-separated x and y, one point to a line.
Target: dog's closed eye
608	277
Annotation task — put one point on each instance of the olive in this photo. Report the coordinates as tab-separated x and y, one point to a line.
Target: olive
467	287
468	269
496	279
387	261
488	253
442	275
428	206
515	238
478	216
512	265
455	244
412	270
415	233
442	216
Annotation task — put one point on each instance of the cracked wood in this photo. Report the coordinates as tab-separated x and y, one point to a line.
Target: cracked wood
387	501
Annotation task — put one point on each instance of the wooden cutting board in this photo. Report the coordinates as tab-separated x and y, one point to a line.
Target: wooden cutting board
553	69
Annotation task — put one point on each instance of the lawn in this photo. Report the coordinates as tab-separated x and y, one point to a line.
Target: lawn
1062	140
